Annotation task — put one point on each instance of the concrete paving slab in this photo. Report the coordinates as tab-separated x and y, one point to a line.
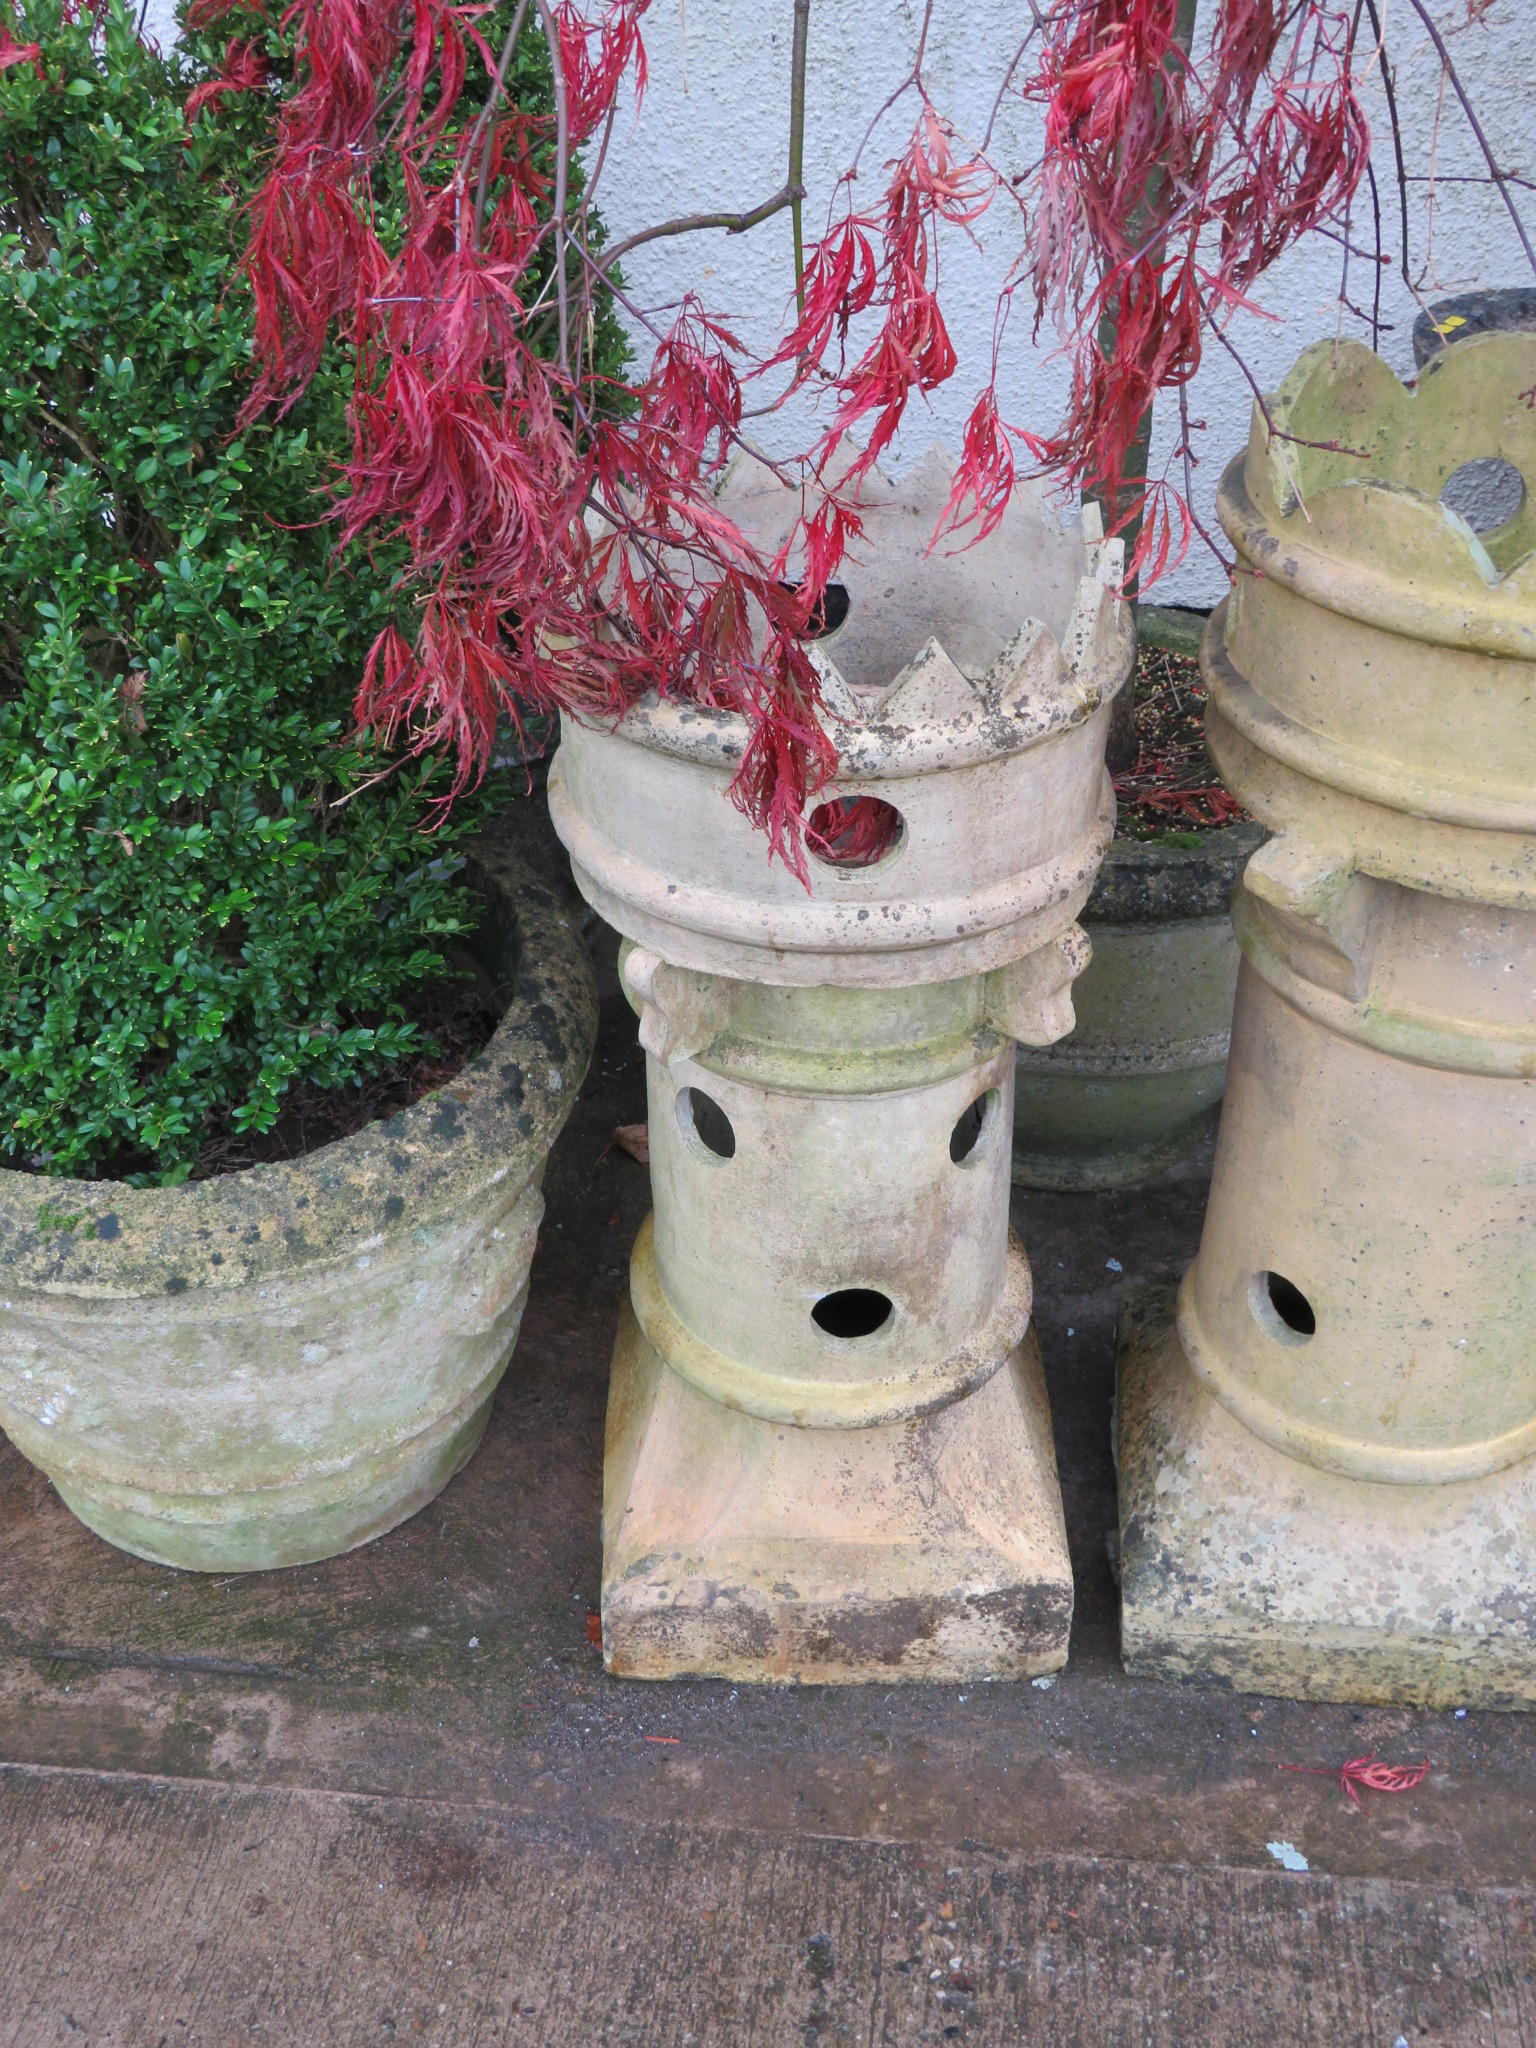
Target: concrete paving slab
142	1914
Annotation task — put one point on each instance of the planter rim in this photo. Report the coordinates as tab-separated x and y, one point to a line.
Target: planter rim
496	1118
1501	623
878	749
1144	881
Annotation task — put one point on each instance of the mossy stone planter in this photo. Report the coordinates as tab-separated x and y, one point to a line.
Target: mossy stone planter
1140	1078
275	1366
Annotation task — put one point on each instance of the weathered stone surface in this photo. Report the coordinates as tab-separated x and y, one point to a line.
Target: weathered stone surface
999	781
788	1499
1392	1194
1149	882
902	590
1245	1567
1174	626
272	1366
1358	1318
1139	1079
826	1296
736	1547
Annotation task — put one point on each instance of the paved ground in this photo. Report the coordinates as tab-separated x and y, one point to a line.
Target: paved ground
395	1798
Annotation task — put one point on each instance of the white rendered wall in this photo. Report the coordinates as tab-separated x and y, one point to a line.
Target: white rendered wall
712	135
720	143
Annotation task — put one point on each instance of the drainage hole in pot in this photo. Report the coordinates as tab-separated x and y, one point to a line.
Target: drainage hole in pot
854	831
706	1123
1282	1309
852	1312
829	614
1487	492
972	1125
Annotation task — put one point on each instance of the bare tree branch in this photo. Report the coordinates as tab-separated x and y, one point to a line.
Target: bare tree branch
1018	58
913	77
1397	132
691	223
562	174
1189	479
1474	124
795	182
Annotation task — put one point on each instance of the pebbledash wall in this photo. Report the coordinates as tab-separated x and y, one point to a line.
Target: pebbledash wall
711	136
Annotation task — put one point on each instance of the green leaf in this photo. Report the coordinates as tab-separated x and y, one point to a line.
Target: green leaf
188	937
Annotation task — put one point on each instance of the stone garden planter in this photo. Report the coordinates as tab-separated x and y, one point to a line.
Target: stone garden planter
829	1450
1328	1456
1138	1081
277	1365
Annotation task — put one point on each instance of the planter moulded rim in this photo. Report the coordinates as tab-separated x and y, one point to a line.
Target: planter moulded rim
494	1120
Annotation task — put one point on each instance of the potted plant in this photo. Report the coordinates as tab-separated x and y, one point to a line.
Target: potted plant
224	917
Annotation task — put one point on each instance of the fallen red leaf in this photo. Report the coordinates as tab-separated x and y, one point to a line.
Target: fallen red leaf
1367	1772
595	1631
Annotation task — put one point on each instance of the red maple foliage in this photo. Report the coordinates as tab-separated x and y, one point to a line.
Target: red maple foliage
12	52
245	70
567	550
1148	151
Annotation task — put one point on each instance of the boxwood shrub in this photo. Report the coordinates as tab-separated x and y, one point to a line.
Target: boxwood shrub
211	890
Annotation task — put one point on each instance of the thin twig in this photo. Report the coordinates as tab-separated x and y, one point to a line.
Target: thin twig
692	223
922	43
362	788
795	182
1428	272
1473	123
587	330
1472	178
1018	58
590	188
482	127
1381	260
1278	434
913	77
1397	133
562	171
1350	248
